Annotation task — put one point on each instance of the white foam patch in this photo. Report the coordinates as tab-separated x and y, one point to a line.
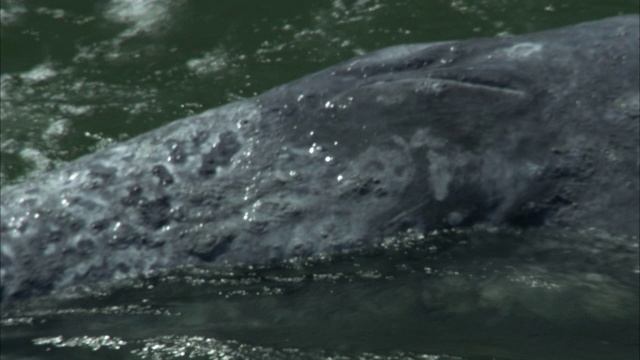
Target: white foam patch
143	16
5	92
75	110
35	157
56	130
211	62
11	12
54	13
39	73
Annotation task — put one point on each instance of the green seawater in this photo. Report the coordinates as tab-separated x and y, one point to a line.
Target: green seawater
77	76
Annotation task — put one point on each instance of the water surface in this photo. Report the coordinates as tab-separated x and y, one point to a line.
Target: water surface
79	75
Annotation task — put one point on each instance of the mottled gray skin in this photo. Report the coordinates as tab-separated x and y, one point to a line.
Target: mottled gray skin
533	130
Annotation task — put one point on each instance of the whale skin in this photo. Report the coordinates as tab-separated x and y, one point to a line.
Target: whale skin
537	130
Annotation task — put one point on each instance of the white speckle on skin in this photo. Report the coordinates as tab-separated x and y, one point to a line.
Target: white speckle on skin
440	176
50	249
390	100
7	250
522	50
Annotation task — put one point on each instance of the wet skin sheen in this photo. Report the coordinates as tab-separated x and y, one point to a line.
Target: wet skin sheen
533	130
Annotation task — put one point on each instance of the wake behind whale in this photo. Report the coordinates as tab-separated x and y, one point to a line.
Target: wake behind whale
534	130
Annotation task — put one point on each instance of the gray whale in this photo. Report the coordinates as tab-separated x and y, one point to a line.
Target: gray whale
533	130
